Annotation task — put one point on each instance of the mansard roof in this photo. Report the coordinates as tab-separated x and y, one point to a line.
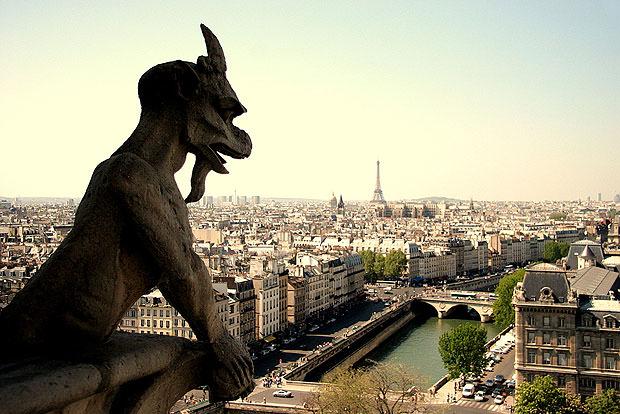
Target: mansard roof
545	280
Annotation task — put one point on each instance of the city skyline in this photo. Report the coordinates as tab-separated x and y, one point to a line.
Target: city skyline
490	102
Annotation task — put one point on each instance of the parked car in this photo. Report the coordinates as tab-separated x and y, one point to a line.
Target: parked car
480	396
473	378
313	328
499	399
510	384
489	383
499	379
496	392
283	394
469	390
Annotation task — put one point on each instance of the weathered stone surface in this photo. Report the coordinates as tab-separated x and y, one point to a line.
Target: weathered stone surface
132	234
129	374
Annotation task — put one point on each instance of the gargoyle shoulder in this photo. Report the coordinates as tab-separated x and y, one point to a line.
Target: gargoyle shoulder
128	173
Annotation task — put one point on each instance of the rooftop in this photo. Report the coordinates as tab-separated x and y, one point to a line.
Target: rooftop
594	281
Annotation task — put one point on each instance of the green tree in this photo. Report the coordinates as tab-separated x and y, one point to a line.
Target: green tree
395	264
379	389
551	252
557	216
368	259
554	251
462	350
564	248
542	396
379	266
607	402
503	312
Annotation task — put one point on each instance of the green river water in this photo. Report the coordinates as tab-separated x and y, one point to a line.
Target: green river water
415	346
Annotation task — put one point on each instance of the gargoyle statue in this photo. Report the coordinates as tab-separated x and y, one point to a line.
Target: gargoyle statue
132	233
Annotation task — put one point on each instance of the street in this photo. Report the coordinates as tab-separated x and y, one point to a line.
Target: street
306	344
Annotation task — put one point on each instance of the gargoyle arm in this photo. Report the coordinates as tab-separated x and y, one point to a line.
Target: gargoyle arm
183	279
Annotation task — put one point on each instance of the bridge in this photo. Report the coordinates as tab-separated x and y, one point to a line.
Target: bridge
482	283
446	302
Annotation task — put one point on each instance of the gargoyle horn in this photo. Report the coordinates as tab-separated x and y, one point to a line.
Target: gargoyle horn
214	50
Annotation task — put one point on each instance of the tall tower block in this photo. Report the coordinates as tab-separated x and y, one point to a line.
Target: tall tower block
378	194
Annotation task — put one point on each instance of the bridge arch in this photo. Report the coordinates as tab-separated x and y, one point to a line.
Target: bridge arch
461	307
446	307
420	307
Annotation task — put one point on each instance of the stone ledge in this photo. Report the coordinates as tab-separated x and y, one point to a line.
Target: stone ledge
130	373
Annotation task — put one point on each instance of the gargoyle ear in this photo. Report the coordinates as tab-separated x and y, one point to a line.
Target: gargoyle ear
168	84
189	82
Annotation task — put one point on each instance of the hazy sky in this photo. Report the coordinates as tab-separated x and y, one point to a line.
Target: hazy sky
490	100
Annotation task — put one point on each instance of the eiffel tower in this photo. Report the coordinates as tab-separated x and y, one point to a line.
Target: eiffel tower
378	194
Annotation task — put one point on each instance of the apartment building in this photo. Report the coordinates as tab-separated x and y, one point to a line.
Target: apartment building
267	274
569	328
297	299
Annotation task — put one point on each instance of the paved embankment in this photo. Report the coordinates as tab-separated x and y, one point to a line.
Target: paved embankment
356	344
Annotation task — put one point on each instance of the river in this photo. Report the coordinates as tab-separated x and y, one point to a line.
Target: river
416	346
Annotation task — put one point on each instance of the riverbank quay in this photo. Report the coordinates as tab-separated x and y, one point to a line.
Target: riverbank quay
357	342
449	391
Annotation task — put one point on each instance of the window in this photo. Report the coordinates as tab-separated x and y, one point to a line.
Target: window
546	338
610	362
546	357
586	341
587	383
531	337
611	385
561	340
562	360
531	321
609	343
167	324
586	361
141	312
531	356
610	323
586	321
546	321
561	381
561	322
141	322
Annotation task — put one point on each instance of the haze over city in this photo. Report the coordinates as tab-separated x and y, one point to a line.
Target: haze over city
457	99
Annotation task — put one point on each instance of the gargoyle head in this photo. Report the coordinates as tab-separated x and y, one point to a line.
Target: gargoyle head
201	95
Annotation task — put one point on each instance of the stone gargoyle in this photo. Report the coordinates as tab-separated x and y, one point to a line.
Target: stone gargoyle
132	233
